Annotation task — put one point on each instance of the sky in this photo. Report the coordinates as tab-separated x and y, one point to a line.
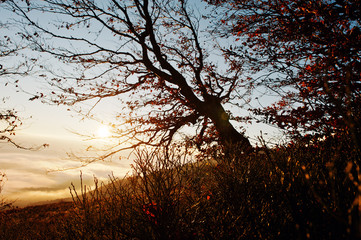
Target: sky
46	174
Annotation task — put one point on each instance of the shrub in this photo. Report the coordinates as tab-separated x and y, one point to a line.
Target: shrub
305	190
156	202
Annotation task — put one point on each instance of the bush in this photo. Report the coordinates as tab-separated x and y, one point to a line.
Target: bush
304	190
156	202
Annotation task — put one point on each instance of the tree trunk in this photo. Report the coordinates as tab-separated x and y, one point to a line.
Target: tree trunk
214	110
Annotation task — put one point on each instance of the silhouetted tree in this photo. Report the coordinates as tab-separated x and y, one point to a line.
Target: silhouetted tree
153	55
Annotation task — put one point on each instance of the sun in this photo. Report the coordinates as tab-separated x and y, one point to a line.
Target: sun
103	132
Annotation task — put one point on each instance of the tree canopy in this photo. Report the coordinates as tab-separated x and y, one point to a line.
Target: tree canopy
310	53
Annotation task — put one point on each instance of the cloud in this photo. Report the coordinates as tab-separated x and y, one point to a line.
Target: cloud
41	189
29	180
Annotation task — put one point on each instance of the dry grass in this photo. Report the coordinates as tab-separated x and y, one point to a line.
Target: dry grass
295	192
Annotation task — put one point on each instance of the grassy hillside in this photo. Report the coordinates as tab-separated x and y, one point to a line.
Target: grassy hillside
306	190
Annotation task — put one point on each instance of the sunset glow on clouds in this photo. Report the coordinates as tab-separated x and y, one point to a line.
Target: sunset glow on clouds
38	176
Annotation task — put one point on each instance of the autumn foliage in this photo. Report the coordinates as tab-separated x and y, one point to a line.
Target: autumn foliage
310	53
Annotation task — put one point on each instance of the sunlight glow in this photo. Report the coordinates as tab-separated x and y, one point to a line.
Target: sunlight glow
103	132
